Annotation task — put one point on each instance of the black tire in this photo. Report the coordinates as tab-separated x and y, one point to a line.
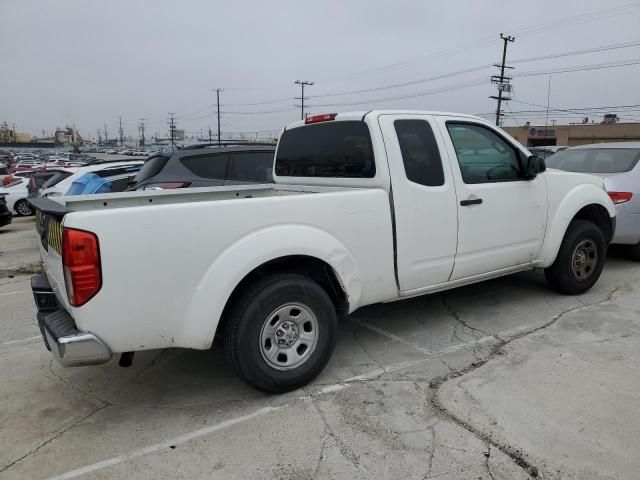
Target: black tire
23	208
634	252
247	320
560	276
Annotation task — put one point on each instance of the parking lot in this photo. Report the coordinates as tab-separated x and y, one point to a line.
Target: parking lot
504	379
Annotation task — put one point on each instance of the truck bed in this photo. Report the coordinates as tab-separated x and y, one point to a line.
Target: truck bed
170	259
78	203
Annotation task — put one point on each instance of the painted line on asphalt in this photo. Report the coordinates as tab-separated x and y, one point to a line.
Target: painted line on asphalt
391	336
164	445
13	293
24	340
424	351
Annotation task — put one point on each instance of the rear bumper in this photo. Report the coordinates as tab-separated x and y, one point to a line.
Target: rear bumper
70	346
627	229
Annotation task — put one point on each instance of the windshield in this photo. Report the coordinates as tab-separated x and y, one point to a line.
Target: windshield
57	178
595	160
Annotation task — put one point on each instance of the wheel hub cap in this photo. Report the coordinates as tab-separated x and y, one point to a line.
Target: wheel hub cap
289	336
584	260
286	334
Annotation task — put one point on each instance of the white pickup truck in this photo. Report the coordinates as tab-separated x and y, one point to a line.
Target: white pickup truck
367	207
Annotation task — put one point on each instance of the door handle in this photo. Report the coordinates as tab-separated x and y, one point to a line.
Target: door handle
471	201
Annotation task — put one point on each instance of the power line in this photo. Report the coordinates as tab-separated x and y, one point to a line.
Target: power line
582	68
447	75
478	82
602	48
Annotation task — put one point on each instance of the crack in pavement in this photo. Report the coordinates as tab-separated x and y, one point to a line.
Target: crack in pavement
359	343
345	451
52	438
75	388
456	316
432	452
487	456
517	455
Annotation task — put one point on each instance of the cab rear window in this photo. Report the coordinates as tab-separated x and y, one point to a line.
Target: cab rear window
333	149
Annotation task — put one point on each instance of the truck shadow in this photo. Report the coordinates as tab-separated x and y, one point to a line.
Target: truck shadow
373	337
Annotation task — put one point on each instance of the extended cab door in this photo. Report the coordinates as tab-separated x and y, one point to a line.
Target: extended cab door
501	216
424	200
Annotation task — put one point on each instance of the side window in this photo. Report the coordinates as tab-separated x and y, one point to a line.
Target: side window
251	166
483	156
420	153
207	166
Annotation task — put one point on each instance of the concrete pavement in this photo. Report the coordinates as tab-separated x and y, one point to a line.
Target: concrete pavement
500	380
18	246
565	398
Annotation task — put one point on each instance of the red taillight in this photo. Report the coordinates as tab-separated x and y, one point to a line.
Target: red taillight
8	179
325	117
620	197
81	261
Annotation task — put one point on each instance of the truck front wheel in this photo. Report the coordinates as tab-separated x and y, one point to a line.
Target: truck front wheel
580	260
280	332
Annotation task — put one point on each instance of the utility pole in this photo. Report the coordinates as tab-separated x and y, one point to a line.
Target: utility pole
120	129
302	98
105	134
99	137
209	134
217	90
501	81
172	128
142	141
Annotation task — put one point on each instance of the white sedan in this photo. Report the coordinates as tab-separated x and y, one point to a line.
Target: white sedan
17	197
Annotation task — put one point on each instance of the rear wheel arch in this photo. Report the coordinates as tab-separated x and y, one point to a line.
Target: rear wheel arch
307	266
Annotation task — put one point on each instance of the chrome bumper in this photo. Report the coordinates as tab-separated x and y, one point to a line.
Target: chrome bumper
70	347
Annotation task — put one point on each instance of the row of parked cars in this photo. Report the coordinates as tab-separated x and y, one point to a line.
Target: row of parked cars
194	166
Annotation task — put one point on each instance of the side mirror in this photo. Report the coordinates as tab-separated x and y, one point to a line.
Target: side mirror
534	166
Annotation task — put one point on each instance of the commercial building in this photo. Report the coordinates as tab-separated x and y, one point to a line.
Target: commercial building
610	130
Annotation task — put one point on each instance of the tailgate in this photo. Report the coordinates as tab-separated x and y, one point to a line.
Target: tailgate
49	219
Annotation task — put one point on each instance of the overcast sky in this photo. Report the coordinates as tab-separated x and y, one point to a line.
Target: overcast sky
86	62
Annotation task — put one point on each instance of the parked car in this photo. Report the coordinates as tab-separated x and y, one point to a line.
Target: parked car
617	164
206	166
546	151
5	214
62	186
108	180
271	267
16	197
37	180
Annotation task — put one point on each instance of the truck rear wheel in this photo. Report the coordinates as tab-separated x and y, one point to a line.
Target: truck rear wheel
580	260
281	332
